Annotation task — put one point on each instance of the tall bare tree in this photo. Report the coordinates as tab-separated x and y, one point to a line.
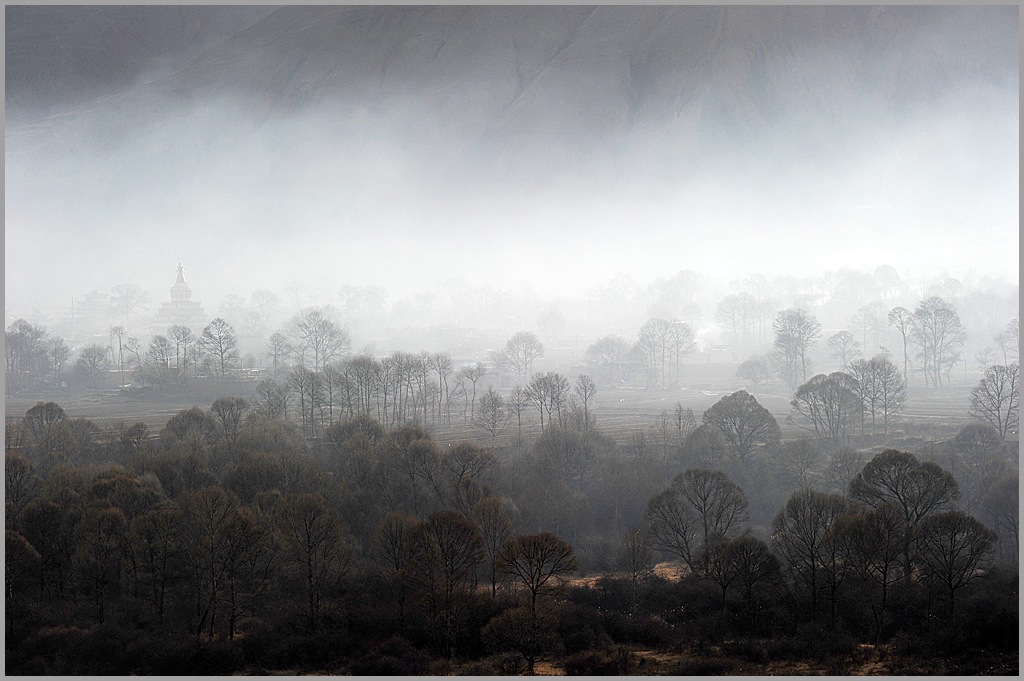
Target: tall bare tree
316	547
473	374
493	414
319	336
796	331
940	335
492	519
59	354
902	319
844	347
537	562
996	398
218	340
521	350
1008	341
951	546
881	389
916	488
832	405
183	338
278	348
801	536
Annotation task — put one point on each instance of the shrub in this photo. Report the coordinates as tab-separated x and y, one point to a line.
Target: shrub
704	666
597	663
646	630
581	628
394	657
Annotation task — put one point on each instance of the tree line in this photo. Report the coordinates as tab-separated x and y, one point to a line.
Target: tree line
376	537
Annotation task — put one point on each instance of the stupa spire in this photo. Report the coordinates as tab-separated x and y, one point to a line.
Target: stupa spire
181	291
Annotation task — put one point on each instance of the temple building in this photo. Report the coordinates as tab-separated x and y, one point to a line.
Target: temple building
181	309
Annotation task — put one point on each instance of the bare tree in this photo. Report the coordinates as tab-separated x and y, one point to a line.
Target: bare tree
654	339
316	547
607	355
547	393
493	415
744	423
718	501
951	546
271	399
159	352
800	535
684	422
881	389
521	350
796	330
1001	503
681	341
518	402
25	355
278	348
134	346
491	517
939	334
1008	341
585	390
917	488
752	564
537	562
441	363
843	466
92	363
844	347
473	374
183	338
798	462
319	335
59	353
219	341
868	320
902	319
308	385
395	553
21	484
876	544
452	548
128	298
757	370
699	508
228	413
264	303
995	399
636	557
674	526
832	405
738	313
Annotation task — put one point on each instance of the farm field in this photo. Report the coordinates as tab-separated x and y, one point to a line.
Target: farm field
620	412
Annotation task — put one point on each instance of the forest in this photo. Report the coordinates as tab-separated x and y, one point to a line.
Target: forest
347	513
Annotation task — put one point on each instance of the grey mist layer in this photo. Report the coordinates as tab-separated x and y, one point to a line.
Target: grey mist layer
524	147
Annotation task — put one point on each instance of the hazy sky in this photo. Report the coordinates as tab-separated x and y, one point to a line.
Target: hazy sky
121	188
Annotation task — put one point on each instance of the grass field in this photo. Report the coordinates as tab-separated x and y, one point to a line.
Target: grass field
620	412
